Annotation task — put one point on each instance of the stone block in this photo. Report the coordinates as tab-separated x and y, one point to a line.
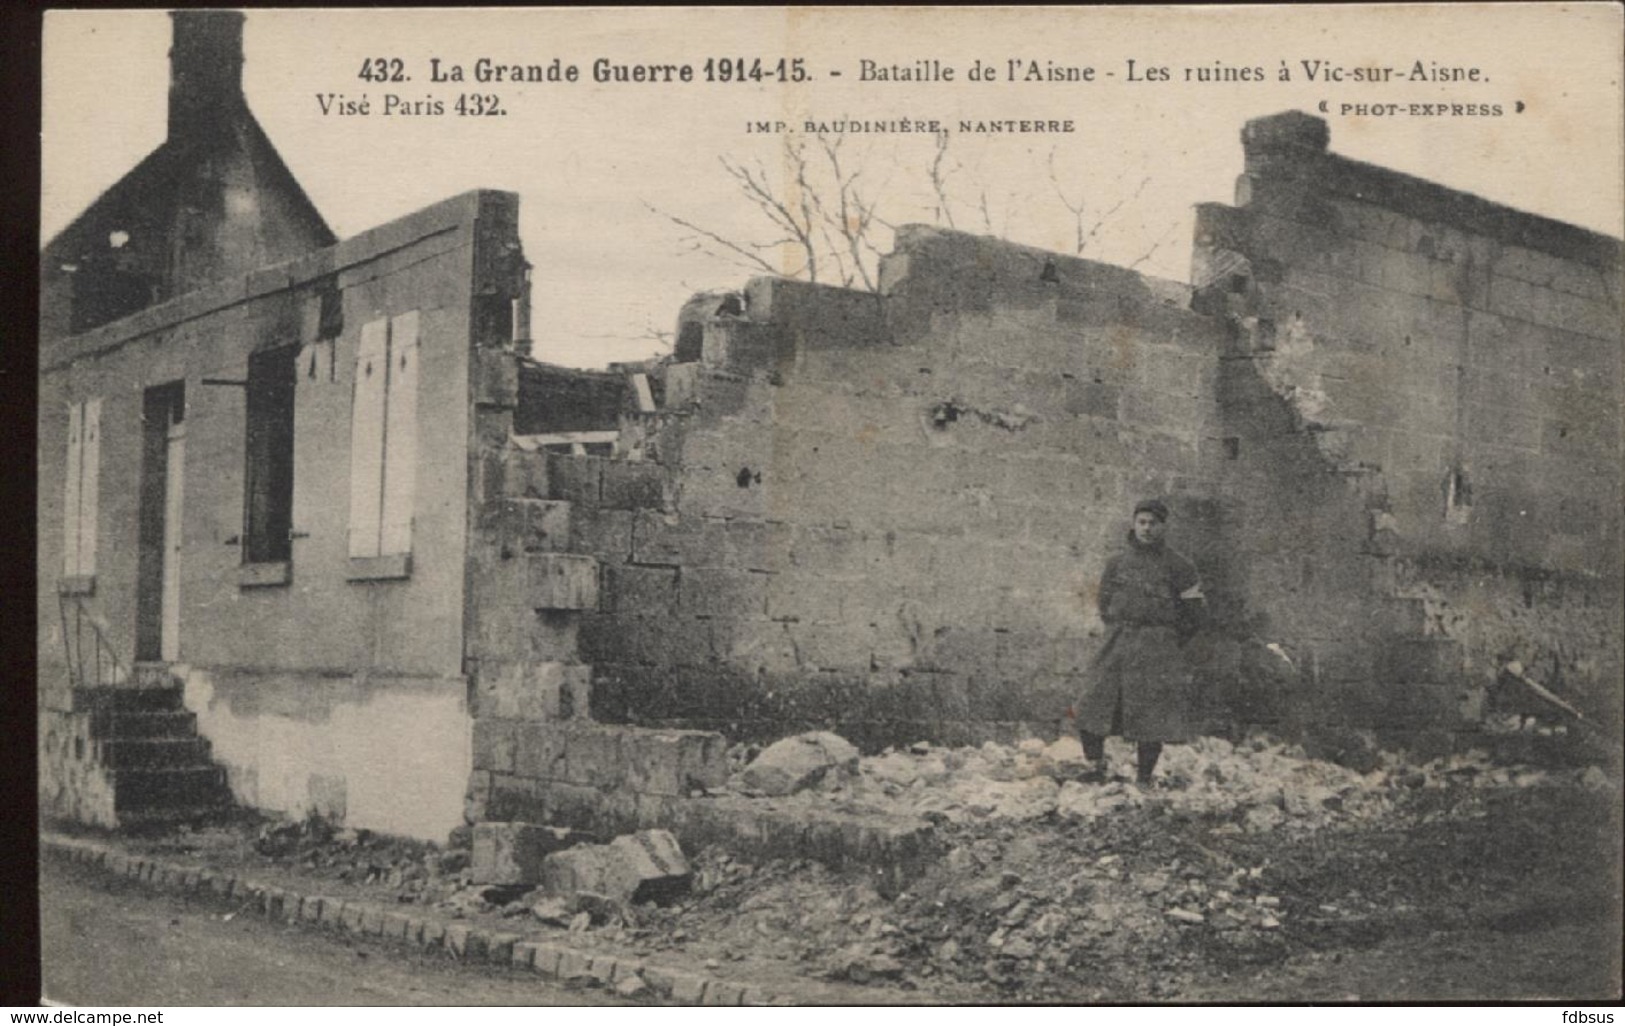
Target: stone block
592	756
832	646
539	751
562	581
396	926
671	540
512	853
688	988
516	473
494	745
573	965
350	917
457	941
758	544
527	525
499	946
604	968
372	921
743	347
805	596
553	635
682	386
524	955
640	590
721	593
796	763
646	866
434	933
575	479
548	690
633	484
477	796
605	533
311	910
545	961
755	645
496	378
673	762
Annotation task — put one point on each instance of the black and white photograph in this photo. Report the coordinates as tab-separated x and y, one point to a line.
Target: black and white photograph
788	506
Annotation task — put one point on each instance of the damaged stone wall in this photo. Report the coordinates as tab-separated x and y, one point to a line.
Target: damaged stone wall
1425	393
887	515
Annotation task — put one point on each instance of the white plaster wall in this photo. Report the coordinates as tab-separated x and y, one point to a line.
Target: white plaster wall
391	756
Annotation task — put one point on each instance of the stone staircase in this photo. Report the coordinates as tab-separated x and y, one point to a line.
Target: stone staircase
128	755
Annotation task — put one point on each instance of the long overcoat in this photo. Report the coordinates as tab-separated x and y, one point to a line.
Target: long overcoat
1149	598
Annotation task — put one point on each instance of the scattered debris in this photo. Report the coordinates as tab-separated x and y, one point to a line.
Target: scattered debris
1051	887
512	853
645	866
797	763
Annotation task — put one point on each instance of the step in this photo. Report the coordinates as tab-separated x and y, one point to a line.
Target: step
163	817
154	675
110	724
152	753
127	699
167	788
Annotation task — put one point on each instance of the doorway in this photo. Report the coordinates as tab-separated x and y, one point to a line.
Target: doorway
163	463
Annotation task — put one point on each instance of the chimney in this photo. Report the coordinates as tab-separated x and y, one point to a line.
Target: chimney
205	71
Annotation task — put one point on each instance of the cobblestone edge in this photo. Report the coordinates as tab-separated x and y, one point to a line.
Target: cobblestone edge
459	939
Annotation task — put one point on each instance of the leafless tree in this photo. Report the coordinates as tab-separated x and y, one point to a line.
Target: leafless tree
822	218
822	211
1083	237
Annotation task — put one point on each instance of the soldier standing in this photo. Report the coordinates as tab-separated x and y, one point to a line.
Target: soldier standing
1139	685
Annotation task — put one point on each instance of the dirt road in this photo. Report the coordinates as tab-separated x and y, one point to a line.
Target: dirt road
105	942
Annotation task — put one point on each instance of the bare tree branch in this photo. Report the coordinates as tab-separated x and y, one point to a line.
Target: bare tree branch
703	238
823	207
1143	257
939	180
1073	207
1118	206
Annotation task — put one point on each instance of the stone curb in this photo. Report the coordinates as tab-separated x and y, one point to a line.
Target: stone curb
547	959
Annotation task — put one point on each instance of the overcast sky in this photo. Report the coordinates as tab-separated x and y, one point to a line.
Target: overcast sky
587	160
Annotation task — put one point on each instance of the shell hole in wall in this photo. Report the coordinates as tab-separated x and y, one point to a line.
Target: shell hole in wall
1458	496
747	477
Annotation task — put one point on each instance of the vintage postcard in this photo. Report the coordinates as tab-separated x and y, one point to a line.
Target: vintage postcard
831	506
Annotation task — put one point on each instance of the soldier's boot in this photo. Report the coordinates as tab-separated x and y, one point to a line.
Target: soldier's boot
1094	749
1147	755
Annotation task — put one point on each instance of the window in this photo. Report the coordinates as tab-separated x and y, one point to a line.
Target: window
383	446
268	475
80	491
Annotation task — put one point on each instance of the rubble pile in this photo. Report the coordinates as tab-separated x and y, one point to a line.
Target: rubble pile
1051	887
1258	786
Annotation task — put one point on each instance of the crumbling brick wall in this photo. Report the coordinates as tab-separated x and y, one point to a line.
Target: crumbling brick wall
1443	376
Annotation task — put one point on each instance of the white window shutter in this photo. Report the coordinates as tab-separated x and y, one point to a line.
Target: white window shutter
90	463
367	437
70	491
400	436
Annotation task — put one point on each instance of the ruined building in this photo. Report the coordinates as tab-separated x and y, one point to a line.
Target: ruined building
318	532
